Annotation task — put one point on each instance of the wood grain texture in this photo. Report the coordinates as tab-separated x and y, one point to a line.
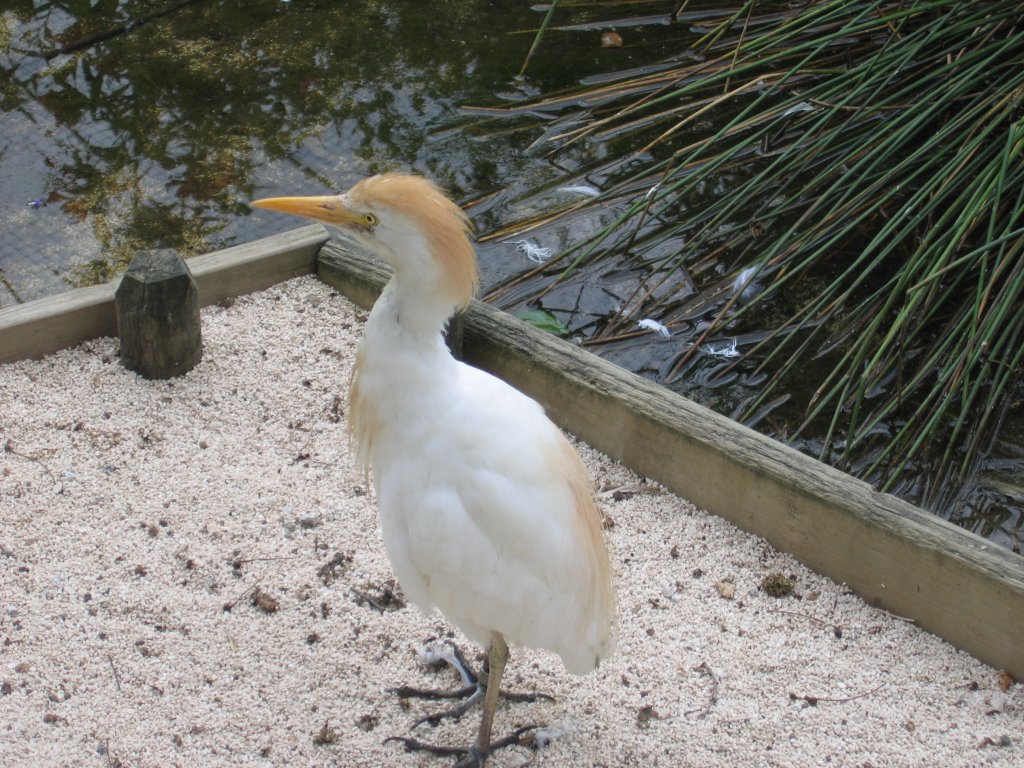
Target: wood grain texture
158	321
257	265
895	555
39	327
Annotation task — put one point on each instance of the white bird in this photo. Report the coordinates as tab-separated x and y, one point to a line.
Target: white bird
486	509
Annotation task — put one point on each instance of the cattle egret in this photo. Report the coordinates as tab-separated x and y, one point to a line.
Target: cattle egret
486	509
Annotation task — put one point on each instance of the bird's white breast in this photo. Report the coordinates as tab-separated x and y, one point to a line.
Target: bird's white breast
478	515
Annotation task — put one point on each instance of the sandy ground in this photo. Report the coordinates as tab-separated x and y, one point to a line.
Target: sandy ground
191	574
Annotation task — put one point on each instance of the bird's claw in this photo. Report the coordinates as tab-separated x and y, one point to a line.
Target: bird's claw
473	692
473	695
456	712
408	692
471	757
474	758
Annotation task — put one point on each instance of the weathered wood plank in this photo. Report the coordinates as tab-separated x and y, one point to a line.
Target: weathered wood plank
896	556
36	328
257	265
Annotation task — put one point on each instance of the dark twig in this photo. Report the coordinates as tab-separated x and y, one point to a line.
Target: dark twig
836	629
230	606
813	700
238	561
705	670
117	677
9	448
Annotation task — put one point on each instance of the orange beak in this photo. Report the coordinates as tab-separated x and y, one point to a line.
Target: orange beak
330	209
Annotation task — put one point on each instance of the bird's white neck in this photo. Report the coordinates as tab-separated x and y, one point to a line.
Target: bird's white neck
409	316
402	334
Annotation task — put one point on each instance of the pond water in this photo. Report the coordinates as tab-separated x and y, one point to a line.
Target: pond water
150	124
132	125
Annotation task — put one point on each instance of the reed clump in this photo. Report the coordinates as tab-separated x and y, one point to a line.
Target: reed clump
863	159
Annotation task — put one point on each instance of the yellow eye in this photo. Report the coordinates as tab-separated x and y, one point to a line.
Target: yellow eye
369	220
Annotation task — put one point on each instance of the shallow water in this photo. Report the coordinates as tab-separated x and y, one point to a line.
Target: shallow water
125	129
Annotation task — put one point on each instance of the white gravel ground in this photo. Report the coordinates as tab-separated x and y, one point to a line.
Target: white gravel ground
191	574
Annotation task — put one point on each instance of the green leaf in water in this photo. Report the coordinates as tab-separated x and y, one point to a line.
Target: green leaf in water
544	320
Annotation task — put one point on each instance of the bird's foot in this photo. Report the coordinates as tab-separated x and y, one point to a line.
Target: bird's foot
447	652
471	757
472	695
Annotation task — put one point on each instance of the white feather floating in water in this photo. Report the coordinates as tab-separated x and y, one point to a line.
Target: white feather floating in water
745	284
653	325
726	349
803	106
581	189
538	254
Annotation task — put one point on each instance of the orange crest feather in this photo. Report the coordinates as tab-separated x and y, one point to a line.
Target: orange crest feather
445	225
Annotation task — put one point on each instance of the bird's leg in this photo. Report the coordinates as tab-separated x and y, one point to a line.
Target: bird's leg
489	689
472	691
497	656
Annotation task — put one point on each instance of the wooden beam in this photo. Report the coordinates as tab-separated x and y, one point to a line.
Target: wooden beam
39	327
893	554
36	328
257	265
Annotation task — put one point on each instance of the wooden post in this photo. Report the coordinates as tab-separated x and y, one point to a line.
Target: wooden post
453	334
158	316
